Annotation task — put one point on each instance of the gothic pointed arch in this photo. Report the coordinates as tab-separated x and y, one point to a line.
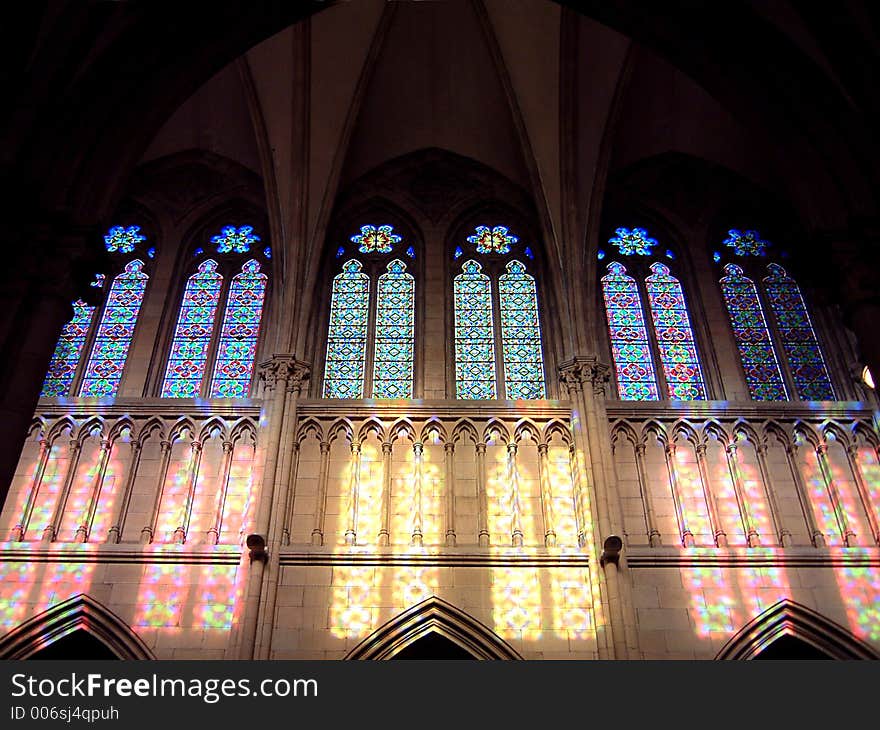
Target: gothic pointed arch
437	616
788	618
80	612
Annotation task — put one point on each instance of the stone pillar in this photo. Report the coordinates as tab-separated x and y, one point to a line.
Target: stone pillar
283	486
85	526
275	374
546	496
482	499
384	537
50	532
114	534
449	449
584	378
149	530
217	526
19	530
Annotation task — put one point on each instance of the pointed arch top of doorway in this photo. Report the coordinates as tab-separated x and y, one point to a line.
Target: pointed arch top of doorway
80	612
787	617
433	614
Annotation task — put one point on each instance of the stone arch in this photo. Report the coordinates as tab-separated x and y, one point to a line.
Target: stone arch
433	615
80	612
788	618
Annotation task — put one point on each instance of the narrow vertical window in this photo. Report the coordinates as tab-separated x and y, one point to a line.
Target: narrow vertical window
474	334
395	307
112	342
675	338
234	364
799	341
62	366
763	376
347	337
520	334
192	336
629	336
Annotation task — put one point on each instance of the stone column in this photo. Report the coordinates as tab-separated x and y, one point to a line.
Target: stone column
195	458
546	496
849	537
852	456
148	531
283	487
577	376
85	526
114	534
516	535
50	532
684	532
19	530
709	494
418	449
752	537
482	499
384	537
217	526
321	506
816	536
654	537
275	374
449	449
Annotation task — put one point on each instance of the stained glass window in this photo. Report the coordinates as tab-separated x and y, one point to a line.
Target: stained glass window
347	336
474	334
746	243
238	338
395	309
492	240
763	376
235	240
62	366
520	334
192	336
799	341
629	336
374	239
635	242
675	338
113	339
123	239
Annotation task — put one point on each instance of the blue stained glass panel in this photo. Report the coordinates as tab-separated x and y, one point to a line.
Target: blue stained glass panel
123	239
115	331
395	317
629	336
675	337
520	334
192	336
347	335
746	243
234	364
62	366
492	240
474	334
763	376
235	240
635	242
799	341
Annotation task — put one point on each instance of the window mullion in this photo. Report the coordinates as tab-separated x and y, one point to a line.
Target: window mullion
216	334
653	343
776	338
500	377
370	344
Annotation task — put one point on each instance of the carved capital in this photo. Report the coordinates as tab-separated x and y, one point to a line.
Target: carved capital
581	371
284	369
